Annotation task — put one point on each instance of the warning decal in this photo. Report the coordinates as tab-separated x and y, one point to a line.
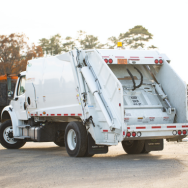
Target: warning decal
135	100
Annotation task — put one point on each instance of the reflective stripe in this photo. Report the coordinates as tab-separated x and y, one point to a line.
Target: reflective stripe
156	127
171	126
140	127
184	125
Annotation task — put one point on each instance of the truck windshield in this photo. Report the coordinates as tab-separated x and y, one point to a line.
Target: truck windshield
21	87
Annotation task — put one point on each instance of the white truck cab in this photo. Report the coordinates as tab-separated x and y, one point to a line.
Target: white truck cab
87	100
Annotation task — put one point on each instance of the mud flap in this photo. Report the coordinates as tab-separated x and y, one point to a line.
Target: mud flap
95	149
154	145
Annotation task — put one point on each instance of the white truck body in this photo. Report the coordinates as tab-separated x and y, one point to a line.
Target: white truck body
147	101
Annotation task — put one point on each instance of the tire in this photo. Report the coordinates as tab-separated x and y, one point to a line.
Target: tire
76	139
6	136
60	144
133	147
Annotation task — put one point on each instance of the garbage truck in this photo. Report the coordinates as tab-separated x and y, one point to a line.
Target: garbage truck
7	87
88	100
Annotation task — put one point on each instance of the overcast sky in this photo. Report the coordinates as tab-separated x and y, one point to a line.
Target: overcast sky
167	20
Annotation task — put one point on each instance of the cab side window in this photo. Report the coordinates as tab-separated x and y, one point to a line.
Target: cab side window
21	86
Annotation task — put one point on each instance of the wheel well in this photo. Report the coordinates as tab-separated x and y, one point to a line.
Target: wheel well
5	116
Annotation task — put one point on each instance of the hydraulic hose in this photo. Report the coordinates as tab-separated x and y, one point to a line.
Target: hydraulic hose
134	86
141	82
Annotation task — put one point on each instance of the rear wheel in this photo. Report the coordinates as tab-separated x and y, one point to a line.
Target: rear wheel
133	146
76	139
6	136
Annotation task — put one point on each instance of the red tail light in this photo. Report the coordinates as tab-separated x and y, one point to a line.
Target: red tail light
106	60
133	134
156	61
110	61
184	132
128	134
160	61
179	132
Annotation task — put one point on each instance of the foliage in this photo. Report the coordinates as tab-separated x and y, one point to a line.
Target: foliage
15	52
52	46
152	47
112	42
69	44
33	52
135	37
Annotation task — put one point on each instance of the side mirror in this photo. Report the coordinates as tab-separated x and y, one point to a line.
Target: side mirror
10	93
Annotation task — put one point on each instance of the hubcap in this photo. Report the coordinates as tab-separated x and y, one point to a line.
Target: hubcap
8	135
71	139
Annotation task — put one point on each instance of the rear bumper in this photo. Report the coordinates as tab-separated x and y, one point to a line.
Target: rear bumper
156	131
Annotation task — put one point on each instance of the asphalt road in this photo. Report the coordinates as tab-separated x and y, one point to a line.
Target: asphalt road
47	165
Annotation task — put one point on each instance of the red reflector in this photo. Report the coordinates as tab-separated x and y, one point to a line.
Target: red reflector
133	134
140	127
106	60
119	104
156	61
105	130
171	126
128	134
123	132
160	61
58	114
110	61
184	132
179	132
156	127
128	127
184	125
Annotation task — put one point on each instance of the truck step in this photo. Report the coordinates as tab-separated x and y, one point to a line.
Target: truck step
24	126
21	137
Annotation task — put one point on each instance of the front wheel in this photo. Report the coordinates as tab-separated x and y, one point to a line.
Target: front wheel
6	136
133	146
76	139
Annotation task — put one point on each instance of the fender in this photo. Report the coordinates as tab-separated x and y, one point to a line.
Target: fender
15	122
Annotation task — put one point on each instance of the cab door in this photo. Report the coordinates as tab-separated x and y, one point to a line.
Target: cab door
18	103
